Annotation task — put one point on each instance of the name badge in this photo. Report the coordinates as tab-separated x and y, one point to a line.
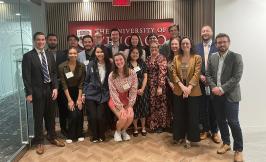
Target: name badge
136	69
69	75
86	62
207	90
126	86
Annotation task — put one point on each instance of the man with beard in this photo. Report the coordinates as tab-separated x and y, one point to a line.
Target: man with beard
59	57
86	55
207	116
224	72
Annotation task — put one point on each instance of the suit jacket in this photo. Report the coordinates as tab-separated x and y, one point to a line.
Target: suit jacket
94	89
231	74
121	47
193	74
200	50
32	73
61	56
82	57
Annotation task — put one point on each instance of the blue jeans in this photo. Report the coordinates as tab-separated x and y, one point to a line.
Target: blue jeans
227	114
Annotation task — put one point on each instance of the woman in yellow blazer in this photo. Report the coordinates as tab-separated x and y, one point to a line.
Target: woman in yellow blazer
186	72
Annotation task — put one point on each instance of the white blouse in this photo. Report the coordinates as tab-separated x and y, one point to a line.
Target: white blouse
102	71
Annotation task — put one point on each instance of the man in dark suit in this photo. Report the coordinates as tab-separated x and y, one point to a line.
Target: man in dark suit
224	73
115	46
60	57
40	81
207	116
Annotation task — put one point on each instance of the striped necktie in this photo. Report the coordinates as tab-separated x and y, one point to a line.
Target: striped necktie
45	71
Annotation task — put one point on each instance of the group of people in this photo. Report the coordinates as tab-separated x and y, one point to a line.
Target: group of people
190	91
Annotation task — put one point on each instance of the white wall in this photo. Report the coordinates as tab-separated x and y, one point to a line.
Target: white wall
245	22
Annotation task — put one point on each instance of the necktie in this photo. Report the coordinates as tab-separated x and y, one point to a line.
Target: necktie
45	71
206	54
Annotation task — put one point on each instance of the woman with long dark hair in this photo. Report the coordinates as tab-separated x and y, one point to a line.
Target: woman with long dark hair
135	42
186	72
96	92
141	107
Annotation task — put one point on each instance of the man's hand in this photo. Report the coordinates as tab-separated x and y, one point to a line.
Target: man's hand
216	91
54	94
29	98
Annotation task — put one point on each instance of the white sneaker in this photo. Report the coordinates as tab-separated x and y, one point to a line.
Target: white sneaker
117	136
80	139
125	136
68	141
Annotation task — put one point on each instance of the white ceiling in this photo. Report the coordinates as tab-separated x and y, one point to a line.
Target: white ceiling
67	1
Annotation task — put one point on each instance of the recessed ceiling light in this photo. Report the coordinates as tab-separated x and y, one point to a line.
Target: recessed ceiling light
18	14
2	2
86	0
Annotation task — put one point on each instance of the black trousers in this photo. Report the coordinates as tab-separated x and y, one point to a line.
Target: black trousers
207	114
96	117
63	110
43	108
186	118
75	118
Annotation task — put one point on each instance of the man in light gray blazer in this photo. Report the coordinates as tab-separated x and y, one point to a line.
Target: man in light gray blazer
87	54
224	73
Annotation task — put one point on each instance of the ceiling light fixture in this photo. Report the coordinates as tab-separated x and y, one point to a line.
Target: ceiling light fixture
1	2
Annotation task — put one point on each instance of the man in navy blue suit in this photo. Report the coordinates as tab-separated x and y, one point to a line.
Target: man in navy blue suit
207	115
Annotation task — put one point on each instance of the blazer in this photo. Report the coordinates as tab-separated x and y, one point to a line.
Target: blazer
94	89
32	74
200	50
232	71
109	46
78	75
82	57
193	74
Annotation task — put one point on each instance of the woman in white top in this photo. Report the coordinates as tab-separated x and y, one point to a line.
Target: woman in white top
135	41
96	93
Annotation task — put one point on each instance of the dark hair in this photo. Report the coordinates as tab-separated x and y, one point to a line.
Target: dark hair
72	36
172	55
87	36
174	25
192	49
130	51
37	34
114	29
115	68
220	35
71	49
108	65
139	41
152	34
51	35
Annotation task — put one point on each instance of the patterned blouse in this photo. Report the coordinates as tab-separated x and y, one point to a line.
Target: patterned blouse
120	86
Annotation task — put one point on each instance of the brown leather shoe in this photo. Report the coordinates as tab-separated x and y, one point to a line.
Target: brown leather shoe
238	157
57	142
216	138
204	135
40	149
223	149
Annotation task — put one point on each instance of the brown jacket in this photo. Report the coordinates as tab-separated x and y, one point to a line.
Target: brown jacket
194	69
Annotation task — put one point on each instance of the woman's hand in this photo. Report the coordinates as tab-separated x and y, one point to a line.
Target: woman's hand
79	103
83	98
71	105
159	91
172	86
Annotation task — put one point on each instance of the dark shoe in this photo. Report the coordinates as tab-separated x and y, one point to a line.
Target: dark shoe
40	149
159	130
238	157
94	140
135	133
57	142
216	138
143	132
223	149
